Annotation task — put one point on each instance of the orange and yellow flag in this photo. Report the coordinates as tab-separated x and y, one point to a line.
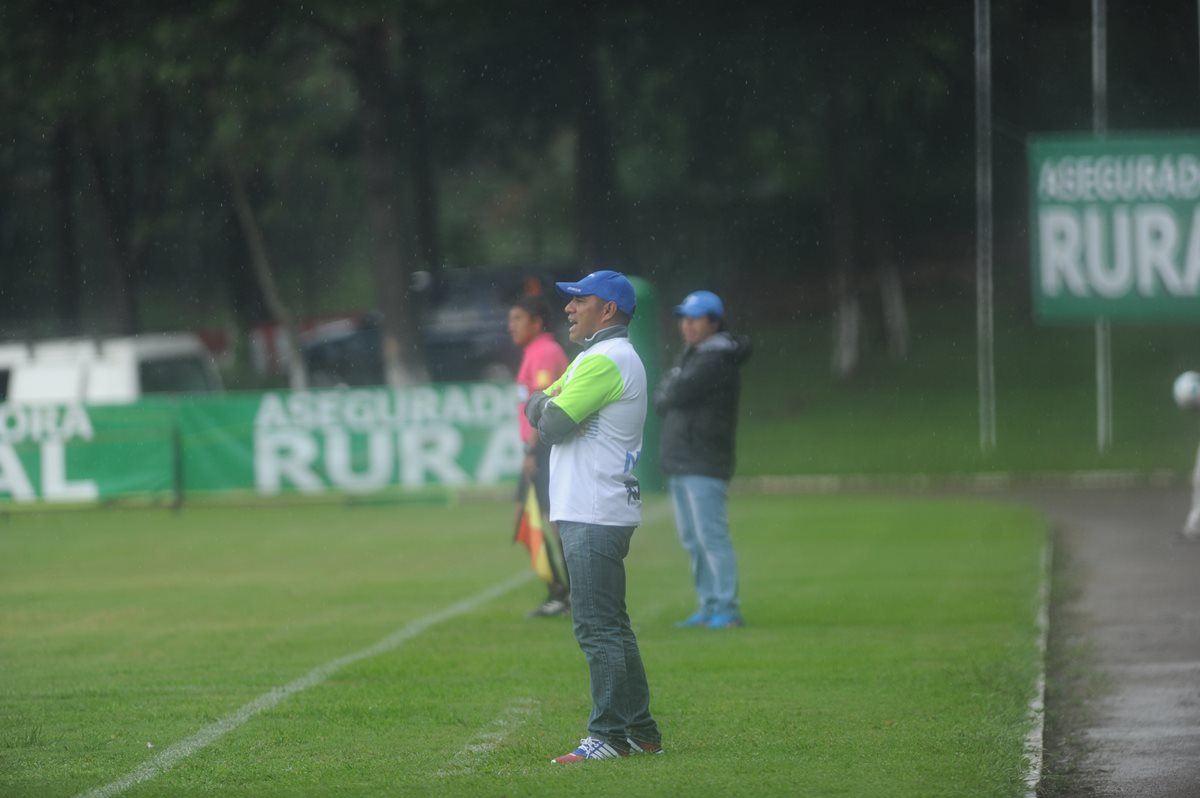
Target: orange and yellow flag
531	533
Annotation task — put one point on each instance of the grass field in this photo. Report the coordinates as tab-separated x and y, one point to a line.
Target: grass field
890	650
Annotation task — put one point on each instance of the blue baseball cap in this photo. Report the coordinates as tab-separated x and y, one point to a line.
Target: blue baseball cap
608	285
701	303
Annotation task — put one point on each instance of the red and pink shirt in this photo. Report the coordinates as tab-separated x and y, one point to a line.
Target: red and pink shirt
544	362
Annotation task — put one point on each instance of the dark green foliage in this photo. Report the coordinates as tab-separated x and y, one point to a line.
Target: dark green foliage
712	165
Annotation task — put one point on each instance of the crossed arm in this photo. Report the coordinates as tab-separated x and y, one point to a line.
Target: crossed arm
582	391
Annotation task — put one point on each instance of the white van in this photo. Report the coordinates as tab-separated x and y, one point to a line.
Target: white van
105	371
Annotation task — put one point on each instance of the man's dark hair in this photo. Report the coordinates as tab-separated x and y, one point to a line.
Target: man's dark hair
535	306
621	317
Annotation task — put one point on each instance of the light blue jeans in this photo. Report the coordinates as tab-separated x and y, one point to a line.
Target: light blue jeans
703	524
595	557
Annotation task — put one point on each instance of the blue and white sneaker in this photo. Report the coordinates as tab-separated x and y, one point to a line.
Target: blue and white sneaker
696	619
590	748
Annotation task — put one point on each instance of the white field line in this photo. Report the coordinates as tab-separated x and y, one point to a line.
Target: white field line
490	738
1034	738
214	731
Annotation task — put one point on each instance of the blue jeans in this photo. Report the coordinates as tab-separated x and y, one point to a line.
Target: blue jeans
595	558
703	524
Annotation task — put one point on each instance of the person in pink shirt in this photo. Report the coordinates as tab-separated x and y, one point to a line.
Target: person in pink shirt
542	363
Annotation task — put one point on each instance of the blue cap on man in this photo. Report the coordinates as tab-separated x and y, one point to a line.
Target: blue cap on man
701	303
610	286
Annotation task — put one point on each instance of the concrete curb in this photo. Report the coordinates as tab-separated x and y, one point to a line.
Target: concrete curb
1035	738
994	481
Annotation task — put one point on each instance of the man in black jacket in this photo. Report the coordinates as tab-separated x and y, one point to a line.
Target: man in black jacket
698	399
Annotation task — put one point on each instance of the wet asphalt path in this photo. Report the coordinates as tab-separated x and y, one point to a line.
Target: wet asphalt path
1129	589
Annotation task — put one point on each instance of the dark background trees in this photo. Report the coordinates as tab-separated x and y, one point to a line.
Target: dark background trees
229	163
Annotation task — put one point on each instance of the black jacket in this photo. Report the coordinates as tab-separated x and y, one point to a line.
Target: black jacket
698	400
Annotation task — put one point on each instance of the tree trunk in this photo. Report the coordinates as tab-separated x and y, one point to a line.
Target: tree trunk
113	206
62	180
375	77
883	251
245	295
129	207
261	264
67	251
421	160
846	309
895	311
597	220
847	325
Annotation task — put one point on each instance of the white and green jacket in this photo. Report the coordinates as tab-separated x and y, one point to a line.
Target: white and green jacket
593	416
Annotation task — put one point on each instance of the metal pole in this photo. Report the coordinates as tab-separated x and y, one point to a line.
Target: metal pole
1104	410
983	226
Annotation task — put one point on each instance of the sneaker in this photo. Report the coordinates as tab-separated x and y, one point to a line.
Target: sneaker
636	747
697	618
724	620
550	607
589	748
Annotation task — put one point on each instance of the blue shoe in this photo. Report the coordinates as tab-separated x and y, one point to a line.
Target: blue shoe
697	618
724	620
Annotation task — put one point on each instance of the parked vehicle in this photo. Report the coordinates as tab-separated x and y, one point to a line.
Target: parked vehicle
105	371
462	328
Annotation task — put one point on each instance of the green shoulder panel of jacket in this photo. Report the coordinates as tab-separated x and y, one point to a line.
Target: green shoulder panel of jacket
588	386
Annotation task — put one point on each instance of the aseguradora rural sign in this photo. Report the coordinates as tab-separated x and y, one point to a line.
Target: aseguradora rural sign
1115	227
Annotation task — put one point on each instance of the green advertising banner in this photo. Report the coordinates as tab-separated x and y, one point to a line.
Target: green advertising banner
350	440
297	443
73	453
1115	226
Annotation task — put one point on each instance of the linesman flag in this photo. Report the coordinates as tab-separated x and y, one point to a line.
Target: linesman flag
530	532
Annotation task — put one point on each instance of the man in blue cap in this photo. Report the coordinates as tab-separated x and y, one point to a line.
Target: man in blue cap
698	400
593	417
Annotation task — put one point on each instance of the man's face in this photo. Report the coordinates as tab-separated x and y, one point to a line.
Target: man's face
698	329
522	327
587	315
